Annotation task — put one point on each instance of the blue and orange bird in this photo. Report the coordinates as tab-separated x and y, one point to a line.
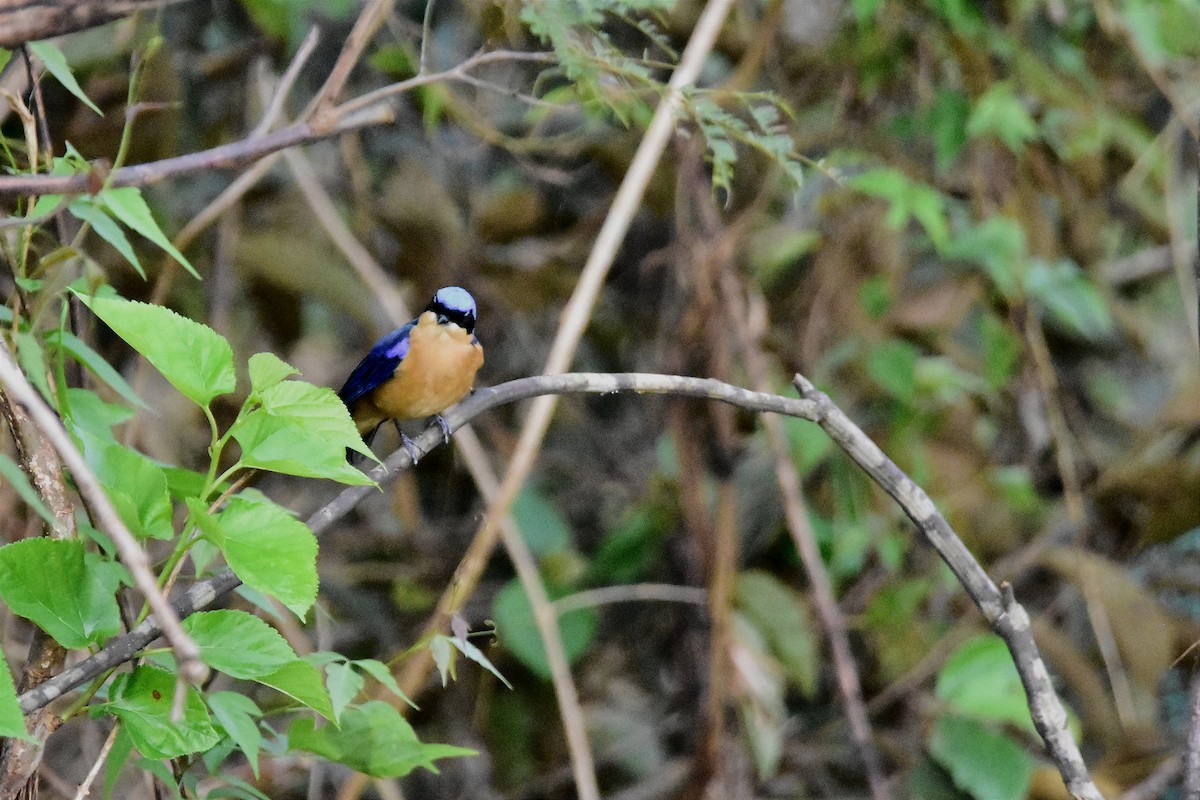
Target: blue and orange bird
418	370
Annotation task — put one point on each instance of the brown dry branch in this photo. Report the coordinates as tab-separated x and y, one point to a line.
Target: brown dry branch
1007	617
30	20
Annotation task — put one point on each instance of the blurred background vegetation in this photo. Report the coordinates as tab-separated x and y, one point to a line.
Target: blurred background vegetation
971	223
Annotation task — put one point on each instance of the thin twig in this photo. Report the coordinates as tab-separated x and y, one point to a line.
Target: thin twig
85	788
19	390
368	22
633	593
274	108
227	156
1156	783
1191	754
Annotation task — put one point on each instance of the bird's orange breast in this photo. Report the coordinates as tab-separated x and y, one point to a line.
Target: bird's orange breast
438	371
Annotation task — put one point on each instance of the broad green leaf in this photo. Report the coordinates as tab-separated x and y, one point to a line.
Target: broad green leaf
808	443
237	643
541	524
267	548
16	478
1001	351
143	700
12	721
301	430
134	483
56	64
785	624
998	245
81	352
104	225
194	358
1073	301
128	205
51	582
1000	113
33	363
892	365
344	684
947	122
983	763
268	369
236	714
519	633
373	739
631	549
87	412
380	672
302	682
909	199
980	680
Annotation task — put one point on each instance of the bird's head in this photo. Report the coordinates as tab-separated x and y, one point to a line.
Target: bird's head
453	304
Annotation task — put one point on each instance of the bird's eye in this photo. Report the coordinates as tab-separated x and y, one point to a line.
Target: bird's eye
443	319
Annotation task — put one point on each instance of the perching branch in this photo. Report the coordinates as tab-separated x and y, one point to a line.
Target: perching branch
999	607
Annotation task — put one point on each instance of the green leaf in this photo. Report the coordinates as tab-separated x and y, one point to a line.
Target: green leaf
380	672
980	680
237	643
85	209
301	430
16	478
135	484
194	358
632	547
33	362
947	122
985	764
302	682
266	547
998	245
56	64
79	350
892	365
268	369
236	714
1001	351
909	199
784	621
344	684
1072	301
87	412
540	523
1000	113
143	700
128	205
12	721
373	739
519	633
51	582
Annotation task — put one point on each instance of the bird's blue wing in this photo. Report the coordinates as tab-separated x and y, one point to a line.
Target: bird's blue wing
377	367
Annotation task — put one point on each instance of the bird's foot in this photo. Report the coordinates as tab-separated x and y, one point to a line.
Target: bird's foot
413	452
445	426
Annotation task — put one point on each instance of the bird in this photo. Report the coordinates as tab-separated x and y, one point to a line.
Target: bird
418	370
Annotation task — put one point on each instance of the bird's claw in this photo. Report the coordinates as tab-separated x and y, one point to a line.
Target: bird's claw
411	448
445	426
